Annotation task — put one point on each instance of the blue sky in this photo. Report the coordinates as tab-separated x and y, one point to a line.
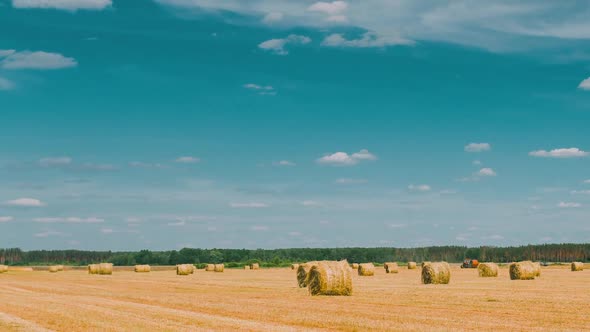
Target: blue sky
266	124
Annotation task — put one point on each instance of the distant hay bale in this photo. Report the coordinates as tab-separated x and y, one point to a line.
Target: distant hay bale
487	269
218	267
355	266
247	267
411	265
184	269
391	267
330	278
294	266
537	267
53	268
142	268
93	269
522	271
577	266
366	269
210	267
436	273
254	266
3	268
60	267
303	271
105	268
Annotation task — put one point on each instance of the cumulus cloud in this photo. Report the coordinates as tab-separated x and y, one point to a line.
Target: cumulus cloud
344	159
419	187
25	202
68	220
368	39
559	153
486	172
284	163
69	5
6	84
277	46
477	147
585	84
249	205
6	218
334	10
55	161
272	17
568	205
187	160
35	60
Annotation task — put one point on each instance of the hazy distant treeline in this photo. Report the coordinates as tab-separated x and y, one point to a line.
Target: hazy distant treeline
565	252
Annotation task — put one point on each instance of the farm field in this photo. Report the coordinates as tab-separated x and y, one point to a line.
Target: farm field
269	300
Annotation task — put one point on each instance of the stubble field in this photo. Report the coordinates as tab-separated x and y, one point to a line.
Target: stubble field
269	300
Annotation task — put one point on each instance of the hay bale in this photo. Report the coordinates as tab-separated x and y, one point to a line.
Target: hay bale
411	265
391	267
105	268
142	268
424	263
210	267
184	269
537	267
294	267
218	267
330	278
487	269
436	273
3	268
522	271
577	266
355	266
93	269
303	271
254	266
53	268
247	267
366	269
60	267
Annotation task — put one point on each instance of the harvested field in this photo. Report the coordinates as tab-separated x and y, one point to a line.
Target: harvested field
270	300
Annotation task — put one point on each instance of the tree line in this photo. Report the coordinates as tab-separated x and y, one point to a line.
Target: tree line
565	252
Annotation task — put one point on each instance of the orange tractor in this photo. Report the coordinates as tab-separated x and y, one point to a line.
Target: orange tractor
469	264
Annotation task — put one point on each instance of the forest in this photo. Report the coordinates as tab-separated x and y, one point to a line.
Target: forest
565	252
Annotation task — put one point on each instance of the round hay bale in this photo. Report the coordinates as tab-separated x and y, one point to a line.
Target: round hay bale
436	273
303	271
246	267
411	265
391	267
294	266
184	269
3	268
577	266
254	266
522	271
218	267
105	268
537	269
93	269
53	268
142	268
60	267
366	269
424	263
355	266
330	278
487	269
210	267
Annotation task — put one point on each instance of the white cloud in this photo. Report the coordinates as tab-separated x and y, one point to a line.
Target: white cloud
25	202
69	220
493	237
580	192
398	226
55	161
476	162
98	167
48	234
140	164
6	84
295	233
6	218
368	39
36	60
272	17
178	223
568	205
559	153
586	181
284	163
420	187
187	160
337	19
344	159
486	172
585	84
259	228
253	86
277	46
311	203
350	181
69	5
477	147
447	192
329	8
107	230
249	205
